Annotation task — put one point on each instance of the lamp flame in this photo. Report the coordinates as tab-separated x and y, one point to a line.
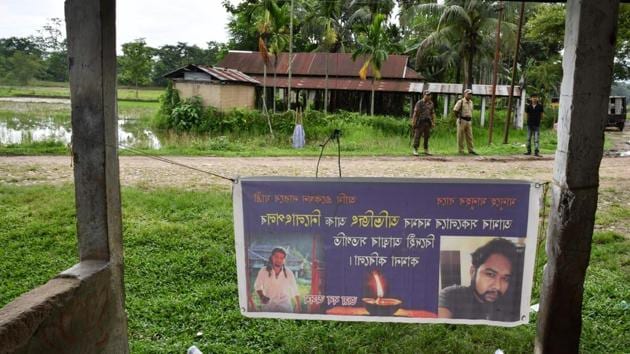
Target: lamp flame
379	286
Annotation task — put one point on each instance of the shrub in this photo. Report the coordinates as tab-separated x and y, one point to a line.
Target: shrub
187	115
168	101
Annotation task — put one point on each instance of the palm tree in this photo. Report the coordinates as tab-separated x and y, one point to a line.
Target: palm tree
467	25
326	25
278	41
372	45
264	13
364	11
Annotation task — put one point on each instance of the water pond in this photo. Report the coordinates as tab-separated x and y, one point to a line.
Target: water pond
31	120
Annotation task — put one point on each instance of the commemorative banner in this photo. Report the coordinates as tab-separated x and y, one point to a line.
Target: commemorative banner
387	250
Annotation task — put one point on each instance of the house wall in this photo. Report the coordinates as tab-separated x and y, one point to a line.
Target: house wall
222	97
237	96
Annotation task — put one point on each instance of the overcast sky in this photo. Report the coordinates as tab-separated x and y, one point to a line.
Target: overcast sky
160	22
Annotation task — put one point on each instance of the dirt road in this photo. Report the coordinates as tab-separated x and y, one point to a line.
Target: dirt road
149	173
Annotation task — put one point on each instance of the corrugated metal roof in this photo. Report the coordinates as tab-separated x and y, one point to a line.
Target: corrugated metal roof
352	84
217	73
226	74
314	64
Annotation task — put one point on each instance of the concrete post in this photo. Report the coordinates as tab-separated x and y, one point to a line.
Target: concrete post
91	28
445	114
588	60
483	110
521	110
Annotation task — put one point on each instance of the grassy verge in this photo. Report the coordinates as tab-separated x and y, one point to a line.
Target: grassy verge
181	280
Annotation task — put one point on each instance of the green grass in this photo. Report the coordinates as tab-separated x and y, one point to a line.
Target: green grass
63	91
180	280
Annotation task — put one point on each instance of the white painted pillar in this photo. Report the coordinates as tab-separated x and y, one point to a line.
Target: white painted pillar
516	114
445	114
483	110
521	109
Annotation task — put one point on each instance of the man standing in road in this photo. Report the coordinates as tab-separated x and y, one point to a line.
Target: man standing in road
535	114
463	111
276	286
422	122
491	275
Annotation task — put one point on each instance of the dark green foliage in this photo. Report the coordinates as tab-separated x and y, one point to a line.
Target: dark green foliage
187	115
169	100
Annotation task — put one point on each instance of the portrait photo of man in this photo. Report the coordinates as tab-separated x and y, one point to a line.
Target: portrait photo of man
276	285
493	290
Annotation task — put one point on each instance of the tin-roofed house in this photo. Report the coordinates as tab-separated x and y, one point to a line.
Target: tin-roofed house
221	88
335	75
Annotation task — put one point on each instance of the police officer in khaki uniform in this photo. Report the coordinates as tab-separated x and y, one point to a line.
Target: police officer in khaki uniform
463	111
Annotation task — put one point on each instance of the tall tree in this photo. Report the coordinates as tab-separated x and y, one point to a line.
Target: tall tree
364	11
278	41
372	45
466	25
135	63
21	60
51	40
326	25
23	67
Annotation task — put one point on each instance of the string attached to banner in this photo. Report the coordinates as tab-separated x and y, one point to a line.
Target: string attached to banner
163	159
335	135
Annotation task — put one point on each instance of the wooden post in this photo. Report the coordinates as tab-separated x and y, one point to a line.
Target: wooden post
587	65
91	28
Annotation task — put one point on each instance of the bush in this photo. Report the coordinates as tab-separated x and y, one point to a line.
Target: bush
168	101
188	115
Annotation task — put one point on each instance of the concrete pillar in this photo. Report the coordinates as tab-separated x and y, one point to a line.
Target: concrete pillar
446	107
91	29
516	113
521	109
589	41
483	110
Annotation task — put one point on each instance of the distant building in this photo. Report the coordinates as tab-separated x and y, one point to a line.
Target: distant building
218	87
312	74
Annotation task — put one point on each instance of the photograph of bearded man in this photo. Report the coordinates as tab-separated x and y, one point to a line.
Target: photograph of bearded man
488	295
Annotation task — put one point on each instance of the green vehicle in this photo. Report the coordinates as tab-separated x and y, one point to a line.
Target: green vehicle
617	112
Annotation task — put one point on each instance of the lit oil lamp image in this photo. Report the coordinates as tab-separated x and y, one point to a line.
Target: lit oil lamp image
381	305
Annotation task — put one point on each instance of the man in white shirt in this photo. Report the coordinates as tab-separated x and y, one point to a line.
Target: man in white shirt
276	286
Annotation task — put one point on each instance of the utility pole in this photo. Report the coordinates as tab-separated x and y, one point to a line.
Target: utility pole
290	58
508	119
494	73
